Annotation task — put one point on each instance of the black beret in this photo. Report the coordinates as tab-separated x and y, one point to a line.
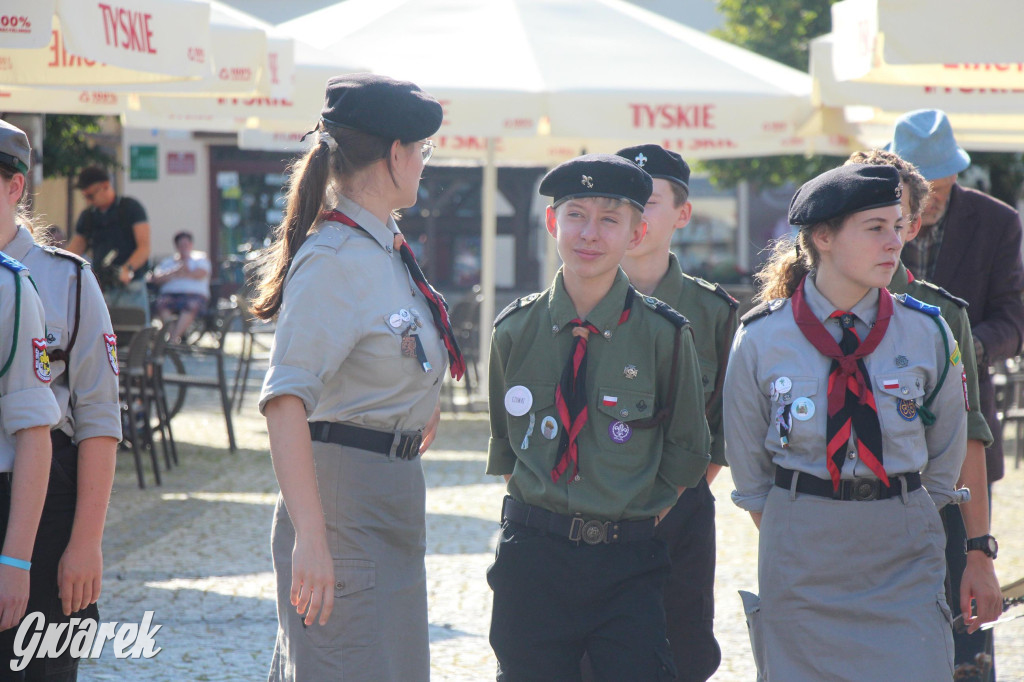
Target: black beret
598	175
659	163
15	152
844	190
383	106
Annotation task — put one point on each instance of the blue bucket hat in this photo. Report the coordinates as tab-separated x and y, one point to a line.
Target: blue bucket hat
925	139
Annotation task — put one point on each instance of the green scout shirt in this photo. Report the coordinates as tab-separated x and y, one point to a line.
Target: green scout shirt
629	378
712	314
954	312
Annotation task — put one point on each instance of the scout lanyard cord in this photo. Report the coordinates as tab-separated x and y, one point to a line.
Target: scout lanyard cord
927	416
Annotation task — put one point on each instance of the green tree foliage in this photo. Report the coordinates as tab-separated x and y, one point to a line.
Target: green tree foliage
67	148
780	30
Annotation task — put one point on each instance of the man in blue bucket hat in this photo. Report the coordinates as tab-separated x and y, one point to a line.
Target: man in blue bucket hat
970	244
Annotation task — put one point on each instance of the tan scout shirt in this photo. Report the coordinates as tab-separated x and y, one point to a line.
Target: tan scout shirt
629	378
713	318
25	396
348	301
955	315
86	391
911	354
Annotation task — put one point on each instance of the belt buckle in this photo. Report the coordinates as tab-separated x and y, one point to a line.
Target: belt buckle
864	489
591	532
406	444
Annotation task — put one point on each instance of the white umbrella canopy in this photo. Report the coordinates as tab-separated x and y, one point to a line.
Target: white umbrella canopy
70	42
949	43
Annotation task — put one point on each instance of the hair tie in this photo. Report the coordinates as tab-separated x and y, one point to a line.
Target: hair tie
330	141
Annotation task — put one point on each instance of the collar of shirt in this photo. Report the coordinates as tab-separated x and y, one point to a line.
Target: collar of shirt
381	233
865	310
22	243
605	315
670	288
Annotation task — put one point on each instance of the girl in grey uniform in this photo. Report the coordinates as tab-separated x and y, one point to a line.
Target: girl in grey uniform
845	426
27	411
67	560
351	397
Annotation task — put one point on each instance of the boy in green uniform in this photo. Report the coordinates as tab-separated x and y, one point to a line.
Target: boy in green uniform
689	529
597	424
972	574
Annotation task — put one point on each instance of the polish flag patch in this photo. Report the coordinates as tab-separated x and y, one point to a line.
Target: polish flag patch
890	383
610	401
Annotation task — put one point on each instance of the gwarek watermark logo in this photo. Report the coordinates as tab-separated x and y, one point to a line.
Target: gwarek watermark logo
83	638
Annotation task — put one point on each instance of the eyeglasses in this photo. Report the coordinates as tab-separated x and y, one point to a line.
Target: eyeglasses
427	150
91	193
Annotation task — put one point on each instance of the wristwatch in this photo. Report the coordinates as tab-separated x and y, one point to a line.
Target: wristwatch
985	543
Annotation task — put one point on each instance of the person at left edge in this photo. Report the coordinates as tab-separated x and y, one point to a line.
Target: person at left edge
67	561
115	230
689	529
359	352
597	424
27	411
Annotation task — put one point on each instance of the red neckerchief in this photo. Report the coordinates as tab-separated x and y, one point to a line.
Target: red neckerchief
851	402
571	392
438	306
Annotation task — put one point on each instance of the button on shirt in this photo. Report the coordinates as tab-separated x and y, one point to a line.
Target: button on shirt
25	399
86	391
773	346
634	479
339	339
713	322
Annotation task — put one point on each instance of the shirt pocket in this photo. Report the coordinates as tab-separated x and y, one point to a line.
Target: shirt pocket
537	432
898	396
807	418
621	428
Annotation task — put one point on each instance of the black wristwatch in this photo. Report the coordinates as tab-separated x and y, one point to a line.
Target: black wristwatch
985	543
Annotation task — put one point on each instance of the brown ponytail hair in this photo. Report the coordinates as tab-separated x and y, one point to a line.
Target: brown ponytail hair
338	154
791	258
23	214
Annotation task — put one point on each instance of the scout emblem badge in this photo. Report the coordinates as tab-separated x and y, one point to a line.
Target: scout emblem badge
518	401
41	360
901	361
110	341
907	409
549	427
629	371
619	432
802	409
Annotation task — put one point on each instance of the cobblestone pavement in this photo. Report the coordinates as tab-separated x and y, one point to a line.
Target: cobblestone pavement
196	551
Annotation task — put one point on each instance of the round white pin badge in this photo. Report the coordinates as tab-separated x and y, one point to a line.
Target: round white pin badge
518	401
783	385
802	409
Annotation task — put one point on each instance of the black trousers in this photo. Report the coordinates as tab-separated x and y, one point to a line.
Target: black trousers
966	646
555	600
51	541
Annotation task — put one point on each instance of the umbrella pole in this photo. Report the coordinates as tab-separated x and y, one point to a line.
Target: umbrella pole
488	239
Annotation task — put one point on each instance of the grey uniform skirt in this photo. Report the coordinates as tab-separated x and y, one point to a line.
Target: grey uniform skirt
852	591
375	513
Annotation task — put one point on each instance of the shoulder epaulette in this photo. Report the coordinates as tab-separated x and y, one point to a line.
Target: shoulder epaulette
762	310
942	292
11	264
717	290
515	305
332	239
666	311
911	302
62	253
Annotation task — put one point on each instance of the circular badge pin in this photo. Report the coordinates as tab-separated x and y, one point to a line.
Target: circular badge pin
783	385
518	401
549	428
395	320
907	409
405	315
802	409
619	432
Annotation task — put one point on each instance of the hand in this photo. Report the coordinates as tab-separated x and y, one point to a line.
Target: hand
430	430
80	576
979	583
312	580
13	595
125	274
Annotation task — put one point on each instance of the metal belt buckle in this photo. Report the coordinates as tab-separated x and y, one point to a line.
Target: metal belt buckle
591	532
406	444
864	489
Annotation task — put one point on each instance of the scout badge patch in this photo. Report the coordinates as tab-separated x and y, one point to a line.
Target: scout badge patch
549	428
110	340
41	360
955	357
620	432
907	409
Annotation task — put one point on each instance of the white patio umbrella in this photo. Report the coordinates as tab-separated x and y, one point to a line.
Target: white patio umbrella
71	42
603	71
948	43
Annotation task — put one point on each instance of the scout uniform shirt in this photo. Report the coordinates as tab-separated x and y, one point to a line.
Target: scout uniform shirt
624	473
345	337
83	375
770	350
712	314
25	396
954	312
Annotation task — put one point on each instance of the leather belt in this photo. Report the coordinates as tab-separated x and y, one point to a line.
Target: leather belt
854	489
576	528
400	444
